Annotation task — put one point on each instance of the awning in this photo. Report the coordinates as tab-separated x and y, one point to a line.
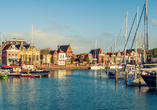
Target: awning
13	58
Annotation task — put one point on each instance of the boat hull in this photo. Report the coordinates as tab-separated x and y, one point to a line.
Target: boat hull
4	76
150	80
97	67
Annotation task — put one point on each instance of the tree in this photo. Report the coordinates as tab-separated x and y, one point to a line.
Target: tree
102	59
72	59
88	60
45	51
52	60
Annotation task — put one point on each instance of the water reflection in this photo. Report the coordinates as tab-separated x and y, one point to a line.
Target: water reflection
61	73
66	89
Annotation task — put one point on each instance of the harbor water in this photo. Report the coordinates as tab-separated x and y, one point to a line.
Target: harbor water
74	90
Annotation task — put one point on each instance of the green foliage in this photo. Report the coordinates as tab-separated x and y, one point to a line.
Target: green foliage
45	51
52	60
154	52
102	60
72	59
88	60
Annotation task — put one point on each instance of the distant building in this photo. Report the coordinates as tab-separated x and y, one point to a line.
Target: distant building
55	56
28	53
61	57
10	55
98	56
68	51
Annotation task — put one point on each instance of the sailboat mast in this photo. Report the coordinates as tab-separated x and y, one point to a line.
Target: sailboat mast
145	33
32	45
1	48
136	33
95	50
125	36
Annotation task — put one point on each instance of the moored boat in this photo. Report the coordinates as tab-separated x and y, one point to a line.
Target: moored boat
4	76
150	80
97	67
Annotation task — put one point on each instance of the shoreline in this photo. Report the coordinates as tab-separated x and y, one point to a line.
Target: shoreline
63	67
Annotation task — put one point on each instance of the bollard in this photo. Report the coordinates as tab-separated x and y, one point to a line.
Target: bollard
139	76
107	73
156	82
126	77
116	76
100	72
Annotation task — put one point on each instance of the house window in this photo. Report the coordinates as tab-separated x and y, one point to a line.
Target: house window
26	57
15	54
9	54
55	56
37	57
12	54
33	57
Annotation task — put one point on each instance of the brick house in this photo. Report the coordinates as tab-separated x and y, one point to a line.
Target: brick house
98	55
55	56
84	58
10	55
26	51
68	51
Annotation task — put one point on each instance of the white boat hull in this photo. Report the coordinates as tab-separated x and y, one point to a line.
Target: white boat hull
97	67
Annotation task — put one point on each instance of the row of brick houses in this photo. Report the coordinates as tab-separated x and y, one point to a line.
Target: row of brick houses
19	52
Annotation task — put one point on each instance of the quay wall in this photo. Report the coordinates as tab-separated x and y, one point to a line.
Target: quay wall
65	67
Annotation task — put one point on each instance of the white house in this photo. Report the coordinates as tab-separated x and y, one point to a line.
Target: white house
62	57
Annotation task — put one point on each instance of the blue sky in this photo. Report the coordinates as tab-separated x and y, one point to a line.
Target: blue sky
76	22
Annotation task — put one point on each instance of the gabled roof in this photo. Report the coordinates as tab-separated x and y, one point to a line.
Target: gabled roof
52	52
60	51
26	46
64	48
94	51
6	46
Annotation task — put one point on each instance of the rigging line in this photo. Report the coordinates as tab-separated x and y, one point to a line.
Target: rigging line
153	10
130	31
138	26
117	41
155	18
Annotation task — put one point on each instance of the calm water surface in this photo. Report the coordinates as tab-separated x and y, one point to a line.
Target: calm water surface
73	90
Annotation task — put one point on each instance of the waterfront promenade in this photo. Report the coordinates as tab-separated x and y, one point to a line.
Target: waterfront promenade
62	67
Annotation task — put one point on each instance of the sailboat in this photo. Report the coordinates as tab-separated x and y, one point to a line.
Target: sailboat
96	66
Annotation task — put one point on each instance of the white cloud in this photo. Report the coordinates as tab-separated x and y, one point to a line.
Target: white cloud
79	44
154	22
